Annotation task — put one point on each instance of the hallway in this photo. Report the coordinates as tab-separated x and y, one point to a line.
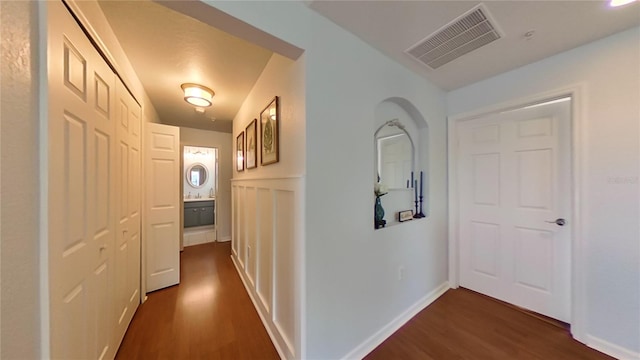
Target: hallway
209	315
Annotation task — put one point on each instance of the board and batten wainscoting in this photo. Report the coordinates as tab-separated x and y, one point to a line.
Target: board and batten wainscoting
268	252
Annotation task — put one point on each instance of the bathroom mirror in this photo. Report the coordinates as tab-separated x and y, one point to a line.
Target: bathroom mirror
197	175
394	155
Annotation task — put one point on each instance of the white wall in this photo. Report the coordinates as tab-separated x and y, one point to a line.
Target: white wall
221	141
609	70
352	290
352	270
19	282
267	206
284	78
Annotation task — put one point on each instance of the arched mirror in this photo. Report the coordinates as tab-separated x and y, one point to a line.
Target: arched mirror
197	175
395	154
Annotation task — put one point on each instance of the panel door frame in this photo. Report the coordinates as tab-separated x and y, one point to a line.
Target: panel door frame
150	216
577	156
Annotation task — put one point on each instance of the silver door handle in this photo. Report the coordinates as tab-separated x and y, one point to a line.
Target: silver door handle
559	222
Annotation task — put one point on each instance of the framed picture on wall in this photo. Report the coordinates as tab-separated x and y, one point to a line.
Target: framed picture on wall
240	152
252	145
269	133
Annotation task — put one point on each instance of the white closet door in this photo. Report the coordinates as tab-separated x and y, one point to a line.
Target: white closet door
80	192
128	217
162	205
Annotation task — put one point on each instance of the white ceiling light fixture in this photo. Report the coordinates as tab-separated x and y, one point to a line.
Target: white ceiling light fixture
197	95
615	3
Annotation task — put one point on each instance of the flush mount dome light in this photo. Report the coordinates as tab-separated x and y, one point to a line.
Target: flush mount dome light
197	95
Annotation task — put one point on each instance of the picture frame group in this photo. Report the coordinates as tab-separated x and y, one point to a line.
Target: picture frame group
268	142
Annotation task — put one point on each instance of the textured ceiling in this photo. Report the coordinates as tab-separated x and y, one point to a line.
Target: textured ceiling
167	49
394	26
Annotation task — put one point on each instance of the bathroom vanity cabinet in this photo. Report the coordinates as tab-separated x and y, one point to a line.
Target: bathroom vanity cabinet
198	213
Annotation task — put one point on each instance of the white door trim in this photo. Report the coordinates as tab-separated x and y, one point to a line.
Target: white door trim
577	92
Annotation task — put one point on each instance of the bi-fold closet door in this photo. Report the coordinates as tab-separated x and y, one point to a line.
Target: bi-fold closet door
92	196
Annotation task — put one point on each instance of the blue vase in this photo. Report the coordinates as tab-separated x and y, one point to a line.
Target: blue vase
379	214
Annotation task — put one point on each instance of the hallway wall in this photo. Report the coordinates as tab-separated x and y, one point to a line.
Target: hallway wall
268	217
19	182
609	72
351	289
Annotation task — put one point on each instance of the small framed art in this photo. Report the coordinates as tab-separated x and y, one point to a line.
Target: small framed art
252	145
240	152
269	133
405	215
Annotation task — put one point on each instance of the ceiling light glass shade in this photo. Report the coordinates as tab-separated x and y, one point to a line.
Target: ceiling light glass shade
197	95
614	3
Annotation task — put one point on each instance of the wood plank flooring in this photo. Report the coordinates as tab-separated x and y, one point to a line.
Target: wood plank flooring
463	324
208	316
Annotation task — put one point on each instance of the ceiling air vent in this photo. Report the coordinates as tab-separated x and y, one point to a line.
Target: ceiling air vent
464	34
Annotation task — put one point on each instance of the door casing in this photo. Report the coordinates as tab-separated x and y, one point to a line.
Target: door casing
578	261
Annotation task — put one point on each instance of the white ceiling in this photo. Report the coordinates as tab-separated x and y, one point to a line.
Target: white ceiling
394	26
167	49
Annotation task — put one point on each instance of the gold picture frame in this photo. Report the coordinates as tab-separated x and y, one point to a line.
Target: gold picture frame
270	133
251	145
240	152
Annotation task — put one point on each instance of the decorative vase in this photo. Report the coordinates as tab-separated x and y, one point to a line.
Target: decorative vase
379	214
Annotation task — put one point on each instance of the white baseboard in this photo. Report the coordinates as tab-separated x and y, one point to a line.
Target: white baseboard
381	335
225	239
258	309
610	349
197	236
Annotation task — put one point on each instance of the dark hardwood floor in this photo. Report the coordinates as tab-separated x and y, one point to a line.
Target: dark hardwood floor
208	316
463	324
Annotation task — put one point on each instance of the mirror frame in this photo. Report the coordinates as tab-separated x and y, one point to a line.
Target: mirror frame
206	171
376	170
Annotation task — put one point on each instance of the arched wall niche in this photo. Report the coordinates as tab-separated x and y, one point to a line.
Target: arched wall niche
417	127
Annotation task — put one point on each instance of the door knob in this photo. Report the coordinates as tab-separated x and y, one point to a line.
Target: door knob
559	222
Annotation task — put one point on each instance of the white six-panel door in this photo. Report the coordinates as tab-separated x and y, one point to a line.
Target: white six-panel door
92	185
162	205
128	206
514	178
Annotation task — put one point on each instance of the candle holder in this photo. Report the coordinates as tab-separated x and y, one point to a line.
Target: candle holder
420	214
415	196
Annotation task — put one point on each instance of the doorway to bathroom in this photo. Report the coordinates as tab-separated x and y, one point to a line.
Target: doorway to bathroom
199	189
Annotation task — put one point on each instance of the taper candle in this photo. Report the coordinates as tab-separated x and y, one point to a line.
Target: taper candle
415	189
420	183
412	178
